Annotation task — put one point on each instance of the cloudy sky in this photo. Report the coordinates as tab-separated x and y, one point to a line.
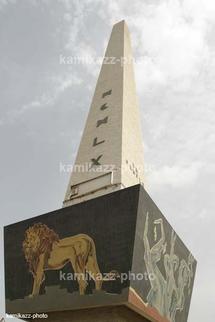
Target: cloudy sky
44	105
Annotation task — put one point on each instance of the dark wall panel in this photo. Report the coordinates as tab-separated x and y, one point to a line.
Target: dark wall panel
110	222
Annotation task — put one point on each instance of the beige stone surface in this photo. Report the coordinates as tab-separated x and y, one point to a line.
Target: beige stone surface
112	131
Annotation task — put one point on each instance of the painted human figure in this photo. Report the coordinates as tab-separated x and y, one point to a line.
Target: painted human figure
166	295
152	256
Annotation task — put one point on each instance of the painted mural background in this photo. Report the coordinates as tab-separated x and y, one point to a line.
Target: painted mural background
94	236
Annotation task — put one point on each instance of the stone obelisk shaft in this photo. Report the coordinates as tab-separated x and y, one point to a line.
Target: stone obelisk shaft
110	155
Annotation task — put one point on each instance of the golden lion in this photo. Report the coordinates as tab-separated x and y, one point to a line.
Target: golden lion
45	251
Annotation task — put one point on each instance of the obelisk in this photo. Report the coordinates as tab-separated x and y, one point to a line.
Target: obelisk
110	155
109	254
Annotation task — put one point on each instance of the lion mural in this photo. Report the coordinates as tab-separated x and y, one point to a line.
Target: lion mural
44	250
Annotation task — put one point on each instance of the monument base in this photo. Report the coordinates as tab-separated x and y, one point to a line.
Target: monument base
102	314
121	237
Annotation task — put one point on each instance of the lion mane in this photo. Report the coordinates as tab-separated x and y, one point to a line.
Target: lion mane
39	239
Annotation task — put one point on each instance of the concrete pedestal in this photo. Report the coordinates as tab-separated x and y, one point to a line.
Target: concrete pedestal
102	314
